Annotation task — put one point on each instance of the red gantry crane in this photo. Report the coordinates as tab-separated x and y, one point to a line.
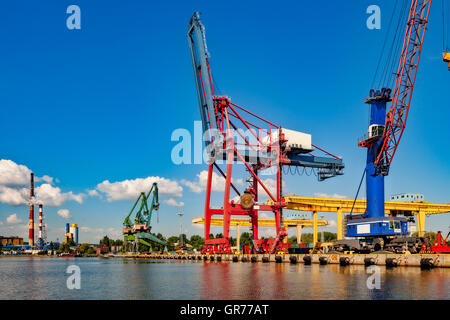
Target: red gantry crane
234	135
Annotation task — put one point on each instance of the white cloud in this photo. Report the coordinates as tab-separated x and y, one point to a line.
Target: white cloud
52	196
13	219
14	196
13	174
45	179
218	182
271	185
130	189
14	178
64	213
93	193
325	195
45	194
172	202
332	223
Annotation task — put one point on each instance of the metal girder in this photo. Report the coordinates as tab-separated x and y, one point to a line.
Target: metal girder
345	205
150	237
246	222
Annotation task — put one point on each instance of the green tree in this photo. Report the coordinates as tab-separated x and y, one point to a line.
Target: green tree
84	247
329	236
65	247
185	239
307	238
105	241
171	242
245	239
292	239
197	242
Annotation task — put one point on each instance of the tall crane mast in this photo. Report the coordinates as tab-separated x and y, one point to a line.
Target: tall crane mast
234	134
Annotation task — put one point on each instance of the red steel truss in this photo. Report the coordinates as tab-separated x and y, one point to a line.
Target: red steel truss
406	75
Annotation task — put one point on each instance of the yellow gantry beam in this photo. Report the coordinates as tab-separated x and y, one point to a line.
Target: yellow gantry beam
345	205
246	222
263	222
392	208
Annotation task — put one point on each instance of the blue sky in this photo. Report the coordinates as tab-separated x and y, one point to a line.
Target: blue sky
100	104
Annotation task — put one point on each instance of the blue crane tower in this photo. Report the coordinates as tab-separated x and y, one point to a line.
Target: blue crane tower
372	230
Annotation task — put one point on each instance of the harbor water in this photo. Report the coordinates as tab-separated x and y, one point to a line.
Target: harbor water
115	278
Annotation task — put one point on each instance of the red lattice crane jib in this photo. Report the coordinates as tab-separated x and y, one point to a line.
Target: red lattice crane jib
405	77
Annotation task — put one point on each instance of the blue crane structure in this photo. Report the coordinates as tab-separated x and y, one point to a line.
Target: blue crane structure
373	230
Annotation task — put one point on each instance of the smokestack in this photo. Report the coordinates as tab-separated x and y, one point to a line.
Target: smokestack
31	222
40	221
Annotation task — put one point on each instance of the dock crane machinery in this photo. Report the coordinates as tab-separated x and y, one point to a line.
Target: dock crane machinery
373	230
138	231
233	135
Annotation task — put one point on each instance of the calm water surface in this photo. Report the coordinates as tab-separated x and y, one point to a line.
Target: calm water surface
45	278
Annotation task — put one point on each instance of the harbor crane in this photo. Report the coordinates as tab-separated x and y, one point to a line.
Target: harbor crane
373	230
235	135
139	230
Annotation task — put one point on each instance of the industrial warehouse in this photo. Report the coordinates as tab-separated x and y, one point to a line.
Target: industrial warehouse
223	160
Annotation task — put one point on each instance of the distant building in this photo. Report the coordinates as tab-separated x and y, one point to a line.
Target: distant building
101	249
116	248
407	197
71	233
12	241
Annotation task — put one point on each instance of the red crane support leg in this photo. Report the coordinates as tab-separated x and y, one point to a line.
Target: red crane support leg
254	212
226	201
225	247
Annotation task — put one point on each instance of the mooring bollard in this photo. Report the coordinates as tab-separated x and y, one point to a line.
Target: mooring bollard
254	259
426	263
278	259
219	258
293	259
235	259
323	261
205	258
244	259
391	262
307	260
265	259
344	261
369	261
